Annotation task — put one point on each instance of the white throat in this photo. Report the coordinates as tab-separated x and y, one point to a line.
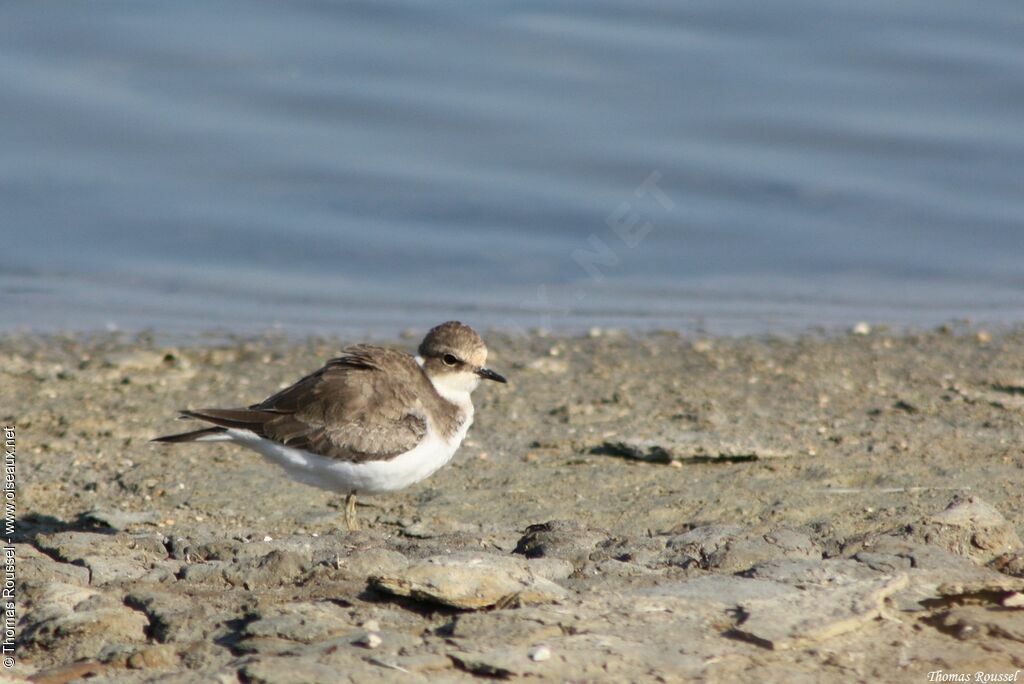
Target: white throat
457	388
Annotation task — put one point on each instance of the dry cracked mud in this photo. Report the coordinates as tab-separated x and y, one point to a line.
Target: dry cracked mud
629	508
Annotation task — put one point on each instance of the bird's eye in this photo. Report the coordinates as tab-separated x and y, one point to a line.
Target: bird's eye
449	360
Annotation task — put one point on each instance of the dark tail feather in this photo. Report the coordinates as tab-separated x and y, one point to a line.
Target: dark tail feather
245	419
189	436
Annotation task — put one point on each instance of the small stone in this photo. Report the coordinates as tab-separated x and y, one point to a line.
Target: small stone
861	328
376	561
159	656
549	366
539	654
138	360
371	626
370	640
280	566
569	540
970	527
1014	600
703	346
1009	564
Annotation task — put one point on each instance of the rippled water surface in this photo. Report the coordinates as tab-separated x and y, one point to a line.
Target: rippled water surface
326	167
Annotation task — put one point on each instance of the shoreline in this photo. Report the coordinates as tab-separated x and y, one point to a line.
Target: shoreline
149	336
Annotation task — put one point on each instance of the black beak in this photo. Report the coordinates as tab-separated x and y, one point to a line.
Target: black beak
488	374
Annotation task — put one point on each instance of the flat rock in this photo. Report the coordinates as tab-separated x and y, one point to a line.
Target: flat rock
520	627
174	618
109	558
428	663
284	670
109	570
280	566
778	544
972	528
969	512
470	581
42	568
815	614
374	561
302	622
80	619
209	572
723	590
927	566
553	569
822	573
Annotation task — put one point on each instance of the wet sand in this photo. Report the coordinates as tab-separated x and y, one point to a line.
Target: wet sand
657	508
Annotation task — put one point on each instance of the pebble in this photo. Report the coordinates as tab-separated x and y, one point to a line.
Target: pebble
1014	600
540	653
370	640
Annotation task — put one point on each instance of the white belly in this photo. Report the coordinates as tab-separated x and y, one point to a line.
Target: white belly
369	477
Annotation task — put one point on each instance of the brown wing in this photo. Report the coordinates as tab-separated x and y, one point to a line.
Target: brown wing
364	406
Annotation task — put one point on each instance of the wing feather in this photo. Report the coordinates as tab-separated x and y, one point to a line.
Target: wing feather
364	406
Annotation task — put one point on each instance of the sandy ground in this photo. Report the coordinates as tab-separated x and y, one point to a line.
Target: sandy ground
656	508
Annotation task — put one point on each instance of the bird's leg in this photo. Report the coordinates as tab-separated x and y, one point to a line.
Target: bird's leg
350	512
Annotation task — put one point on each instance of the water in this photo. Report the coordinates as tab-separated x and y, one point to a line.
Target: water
329	167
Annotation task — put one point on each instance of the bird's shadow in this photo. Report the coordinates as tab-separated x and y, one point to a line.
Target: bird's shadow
28	527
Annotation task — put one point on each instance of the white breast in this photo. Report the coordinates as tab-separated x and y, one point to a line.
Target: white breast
419	463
